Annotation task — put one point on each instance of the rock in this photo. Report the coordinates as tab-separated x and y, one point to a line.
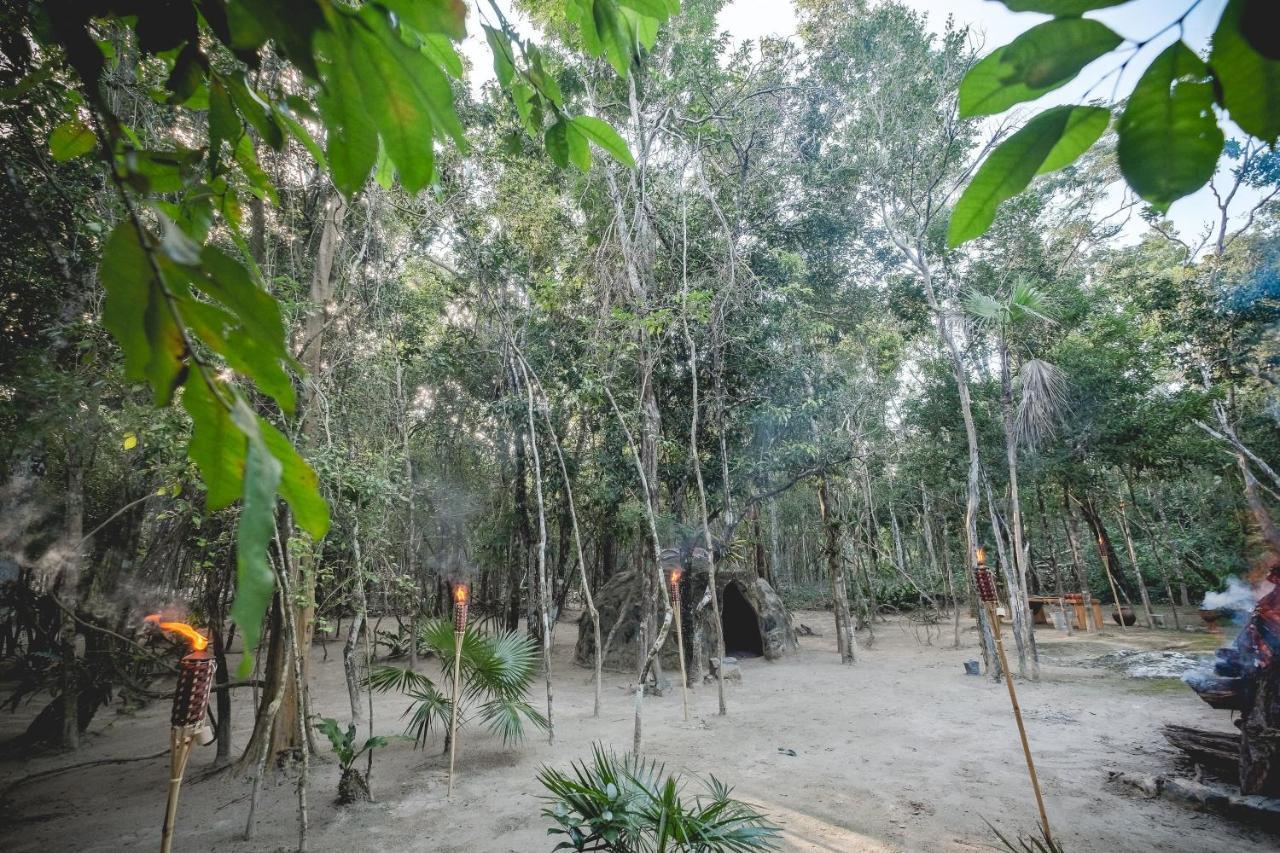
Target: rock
755	619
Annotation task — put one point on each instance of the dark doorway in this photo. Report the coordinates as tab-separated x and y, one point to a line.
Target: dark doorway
741	627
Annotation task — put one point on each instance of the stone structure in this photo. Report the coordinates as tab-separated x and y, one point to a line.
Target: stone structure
756	622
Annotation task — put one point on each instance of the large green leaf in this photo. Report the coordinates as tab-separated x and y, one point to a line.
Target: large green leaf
1059	7
1250	82
1038	61
217	447
299	485
351	136
138	314
71	139
1049	141
126	276
556	141
430	84
1169	136
404	123
432	16
606	137
254	580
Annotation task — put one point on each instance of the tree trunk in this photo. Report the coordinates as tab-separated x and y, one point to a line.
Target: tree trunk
1015	510
1137	570
846	641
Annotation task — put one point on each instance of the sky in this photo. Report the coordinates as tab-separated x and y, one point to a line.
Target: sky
994	25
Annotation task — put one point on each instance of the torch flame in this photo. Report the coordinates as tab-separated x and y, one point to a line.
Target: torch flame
675	576
197	640
460	593
982	555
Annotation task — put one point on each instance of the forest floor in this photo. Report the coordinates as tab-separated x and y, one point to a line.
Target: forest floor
900	752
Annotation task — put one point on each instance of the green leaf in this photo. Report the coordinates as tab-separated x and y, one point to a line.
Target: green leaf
126	277
1059	7
299	485
71	139
404	124
299	132
351	136
439	50
256	111
602	134
224	123
523	96
137	314
1040	60
217	447
500	47
1169	136
556	141
432	16
254	580
1250	82
579	147
1049	141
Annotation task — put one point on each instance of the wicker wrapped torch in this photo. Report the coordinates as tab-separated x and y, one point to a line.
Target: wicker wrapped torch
461	598
673	586
187	719
986	586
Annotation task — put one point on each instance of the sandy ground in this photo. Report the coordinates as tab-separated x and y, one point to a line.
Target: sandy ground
900	752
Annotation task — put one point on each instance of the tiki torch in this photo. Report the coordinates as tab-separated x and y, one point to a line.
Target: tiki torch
673	585
190	702
461	592
987	593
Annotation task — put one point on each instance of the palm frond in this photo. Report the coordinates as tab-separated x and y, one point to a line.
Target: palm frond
1029	300
430	707
1041	399
506	716
501	665
386	678
986	309
1038	843
622	803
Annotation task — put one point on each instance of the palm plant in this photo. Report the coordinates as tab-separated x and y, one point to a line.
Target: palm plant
497	671
1040	398
630	804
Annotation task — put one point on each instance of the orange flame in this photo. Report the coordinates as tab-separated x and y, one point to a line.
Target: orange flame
197	640
675	576
460	593
982	555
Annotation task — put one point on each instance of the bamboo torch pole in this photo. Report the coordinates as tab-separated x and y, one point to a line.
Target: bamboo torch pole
190	704
460	595
987	592
673	581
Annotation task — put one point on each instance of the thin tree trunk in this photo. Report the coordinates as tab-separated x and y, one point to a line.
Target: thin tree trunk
1077	562
1137	569
1015	509
544	589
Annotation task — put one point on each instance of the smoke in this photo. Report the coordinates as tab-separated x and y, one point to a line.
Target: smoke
1239	598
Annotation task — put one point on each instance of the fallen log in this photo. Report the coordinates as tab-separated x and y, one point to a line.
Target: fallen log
1216	799
1217	752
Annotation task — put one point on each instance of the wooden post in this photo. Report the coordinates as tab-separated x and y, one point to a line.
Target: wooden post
987	592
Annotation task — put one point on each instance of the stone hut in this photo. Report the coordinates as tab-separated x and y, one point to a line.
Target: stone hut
756	622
